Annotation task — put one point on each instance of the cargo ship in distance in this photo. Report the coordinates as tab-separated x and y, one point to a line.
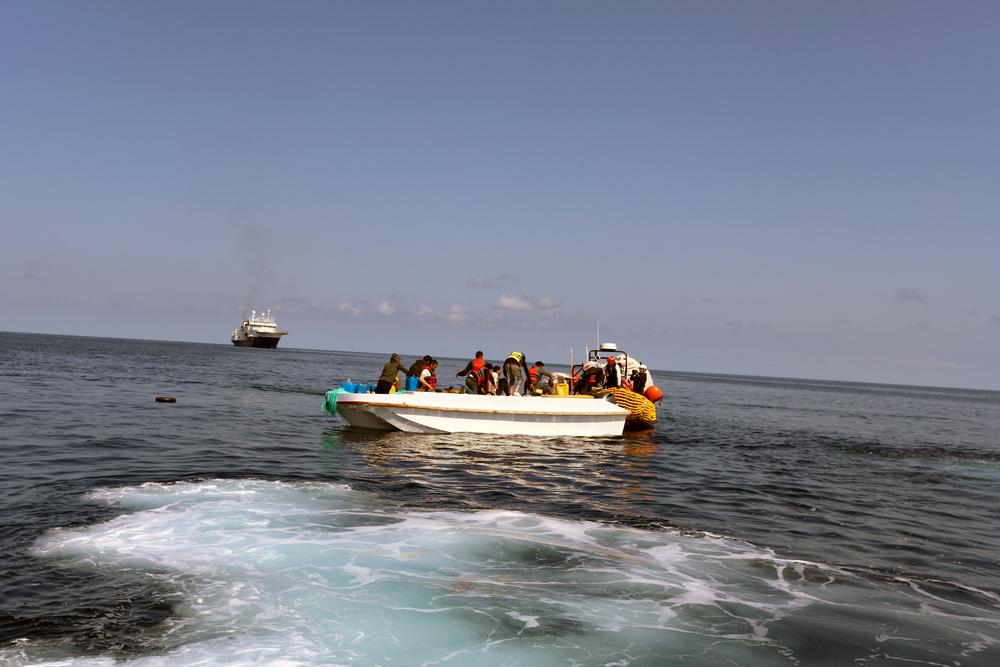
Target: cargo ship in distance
258	331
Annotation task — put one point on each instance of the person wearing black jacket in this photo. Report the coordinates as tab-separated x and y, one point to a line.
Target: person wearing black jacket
419	365
389	373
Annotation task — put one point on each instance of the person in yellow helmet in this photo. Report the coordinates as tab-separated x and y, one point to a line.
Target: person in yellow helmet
512	366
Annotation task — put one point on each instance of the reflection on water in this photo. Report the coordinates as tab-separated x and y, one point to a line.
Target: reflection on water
480	469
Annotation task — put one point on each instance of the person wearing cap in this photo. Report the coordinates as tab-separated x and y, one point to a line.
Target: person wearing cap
639	379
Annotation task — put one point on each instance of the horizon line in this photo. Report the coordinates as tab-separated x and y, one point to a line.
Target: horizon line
662	370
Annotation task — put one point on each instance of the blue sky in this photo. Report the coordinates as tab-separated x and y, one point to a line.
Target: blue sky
776	188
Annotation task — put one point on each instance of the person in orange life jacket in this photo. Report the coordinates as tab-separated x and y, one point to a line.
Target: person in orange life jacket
473	380
428	376
474	365
477	381
535	374
512	366
591	378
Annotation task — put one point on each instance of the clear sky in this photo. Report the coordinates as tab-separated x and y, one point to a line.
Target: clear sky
806	189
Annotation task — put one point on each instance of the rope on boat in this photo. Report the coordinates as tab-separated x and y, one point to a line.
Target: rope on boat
330	400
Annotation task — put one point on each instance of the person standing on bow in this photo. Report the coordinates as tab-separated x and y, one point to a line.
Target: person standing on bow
512	366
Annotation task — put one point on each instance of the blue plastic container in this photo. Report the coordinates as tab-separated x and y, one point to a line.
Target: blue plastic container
363	388
412	382
349	386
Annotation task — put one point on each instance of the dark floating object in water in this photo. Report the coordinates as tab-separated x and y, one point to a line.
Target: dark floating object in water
166	399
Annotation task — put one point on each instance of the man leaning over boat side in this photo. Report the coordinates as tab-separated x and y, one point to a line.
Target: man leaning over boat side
389	374
474	364
535	375
512	366
475	374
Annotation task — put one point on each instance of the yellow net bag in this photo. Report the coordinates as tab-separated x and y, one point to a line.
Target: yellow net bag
640	407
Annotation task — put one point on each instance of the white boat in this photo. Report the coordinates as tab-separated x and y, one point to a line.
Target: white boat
258	330
440	412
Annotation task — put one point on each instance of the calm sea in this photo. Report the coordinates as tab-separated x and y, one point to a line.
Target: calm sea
764	522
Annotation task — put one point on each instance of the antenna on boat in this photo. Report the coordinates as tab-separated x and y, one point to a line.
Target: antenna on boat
571	370
598	333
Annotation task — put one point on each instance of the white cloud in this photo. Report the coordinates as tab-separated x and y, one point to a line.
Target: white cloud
457	314
424	311
525	303
514	303
349	308
384	308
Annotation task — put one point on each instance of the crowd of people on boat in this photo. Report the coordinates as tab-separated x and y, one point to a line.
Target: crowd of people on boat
616	371
514	376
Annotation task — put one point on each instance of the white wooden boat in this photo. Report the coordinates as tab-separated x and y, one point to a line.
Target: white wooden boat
439	412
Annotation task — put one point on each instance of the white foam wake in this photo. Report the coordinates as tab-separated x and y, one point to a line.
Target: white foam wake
311	574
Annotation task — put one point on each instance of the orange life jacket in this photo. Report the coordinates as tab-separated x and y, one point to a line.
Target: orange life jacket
478	364
482	377
432	380
533	374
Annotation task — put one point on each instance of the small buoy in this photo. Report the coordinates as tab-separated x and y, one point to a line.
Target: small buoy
166	399
653	393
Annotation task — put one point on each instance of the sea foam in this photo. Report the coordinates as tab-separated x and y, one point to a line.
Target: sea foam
318	574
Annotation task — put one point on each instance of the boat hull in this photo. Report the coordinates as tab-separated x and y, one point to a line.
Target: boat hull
464	413
257	341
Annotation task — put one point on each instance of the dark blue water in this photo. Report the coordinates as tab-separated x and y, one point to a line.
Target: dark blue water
764	522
